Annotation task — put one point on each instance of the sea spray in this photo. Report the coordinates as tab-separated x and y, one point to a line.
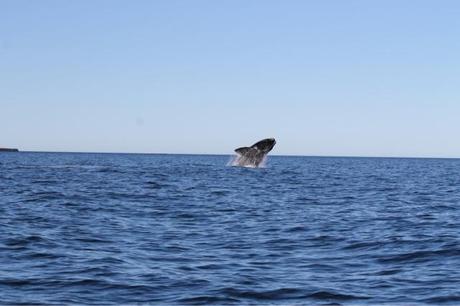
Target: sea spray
241	161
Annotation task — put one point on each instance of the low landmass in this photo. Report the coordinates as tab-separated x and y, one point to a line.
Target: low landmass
8	150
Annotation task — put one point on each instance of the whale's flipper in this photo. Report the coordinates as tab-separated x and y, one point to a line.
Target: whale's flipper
254	155
243	150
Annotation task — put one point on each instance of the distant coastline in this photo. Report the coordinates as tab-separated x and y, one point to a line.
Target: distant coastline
8	150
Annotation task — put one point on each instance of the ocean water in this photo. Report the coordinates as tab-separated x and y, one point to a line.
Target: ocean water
189	230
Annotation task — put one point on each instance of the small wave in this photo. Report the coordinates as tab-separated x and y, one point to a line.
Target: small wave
93	240
220	192
15	282
289	293
20	242
420	256
213	267
362	245
321	267
208	299
443	299
41	255
155	185
107	260
86	282
299	228
326	295
389	272
48	195
44	181
282	293
107	170
75	166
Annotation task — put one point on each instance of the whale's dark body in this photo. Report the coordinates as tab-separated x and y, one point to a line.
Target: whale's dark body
252	156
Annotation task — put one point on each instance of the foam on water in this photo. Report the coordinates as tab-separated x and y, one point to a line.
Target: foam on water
238	161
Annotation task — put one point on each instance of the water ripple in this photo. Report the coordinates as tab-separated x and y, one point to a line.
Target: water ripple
180	229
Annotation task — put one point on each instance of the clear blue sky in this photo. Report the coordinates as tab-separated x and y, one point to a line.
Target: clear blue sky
368	78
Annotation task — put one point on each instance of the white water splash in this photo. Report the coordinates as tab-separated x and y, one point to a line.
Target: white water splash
263	163
231	161
239	161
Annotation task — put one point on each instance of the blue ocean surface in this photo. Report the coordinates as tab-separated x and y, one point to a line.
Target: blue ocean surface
79	228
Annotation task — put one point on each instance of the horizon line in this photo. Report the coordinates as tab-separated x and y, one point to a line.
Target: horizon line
223	154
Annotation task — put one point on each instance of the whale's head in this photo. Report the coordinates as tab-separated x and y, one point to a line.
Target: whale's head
265	145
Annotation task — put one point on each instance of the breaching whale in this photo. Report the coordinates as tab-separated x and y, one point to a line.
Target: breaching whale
252	156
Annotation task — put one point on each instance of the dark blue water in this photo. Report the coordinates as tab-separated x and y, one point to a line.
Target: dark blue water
179	229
